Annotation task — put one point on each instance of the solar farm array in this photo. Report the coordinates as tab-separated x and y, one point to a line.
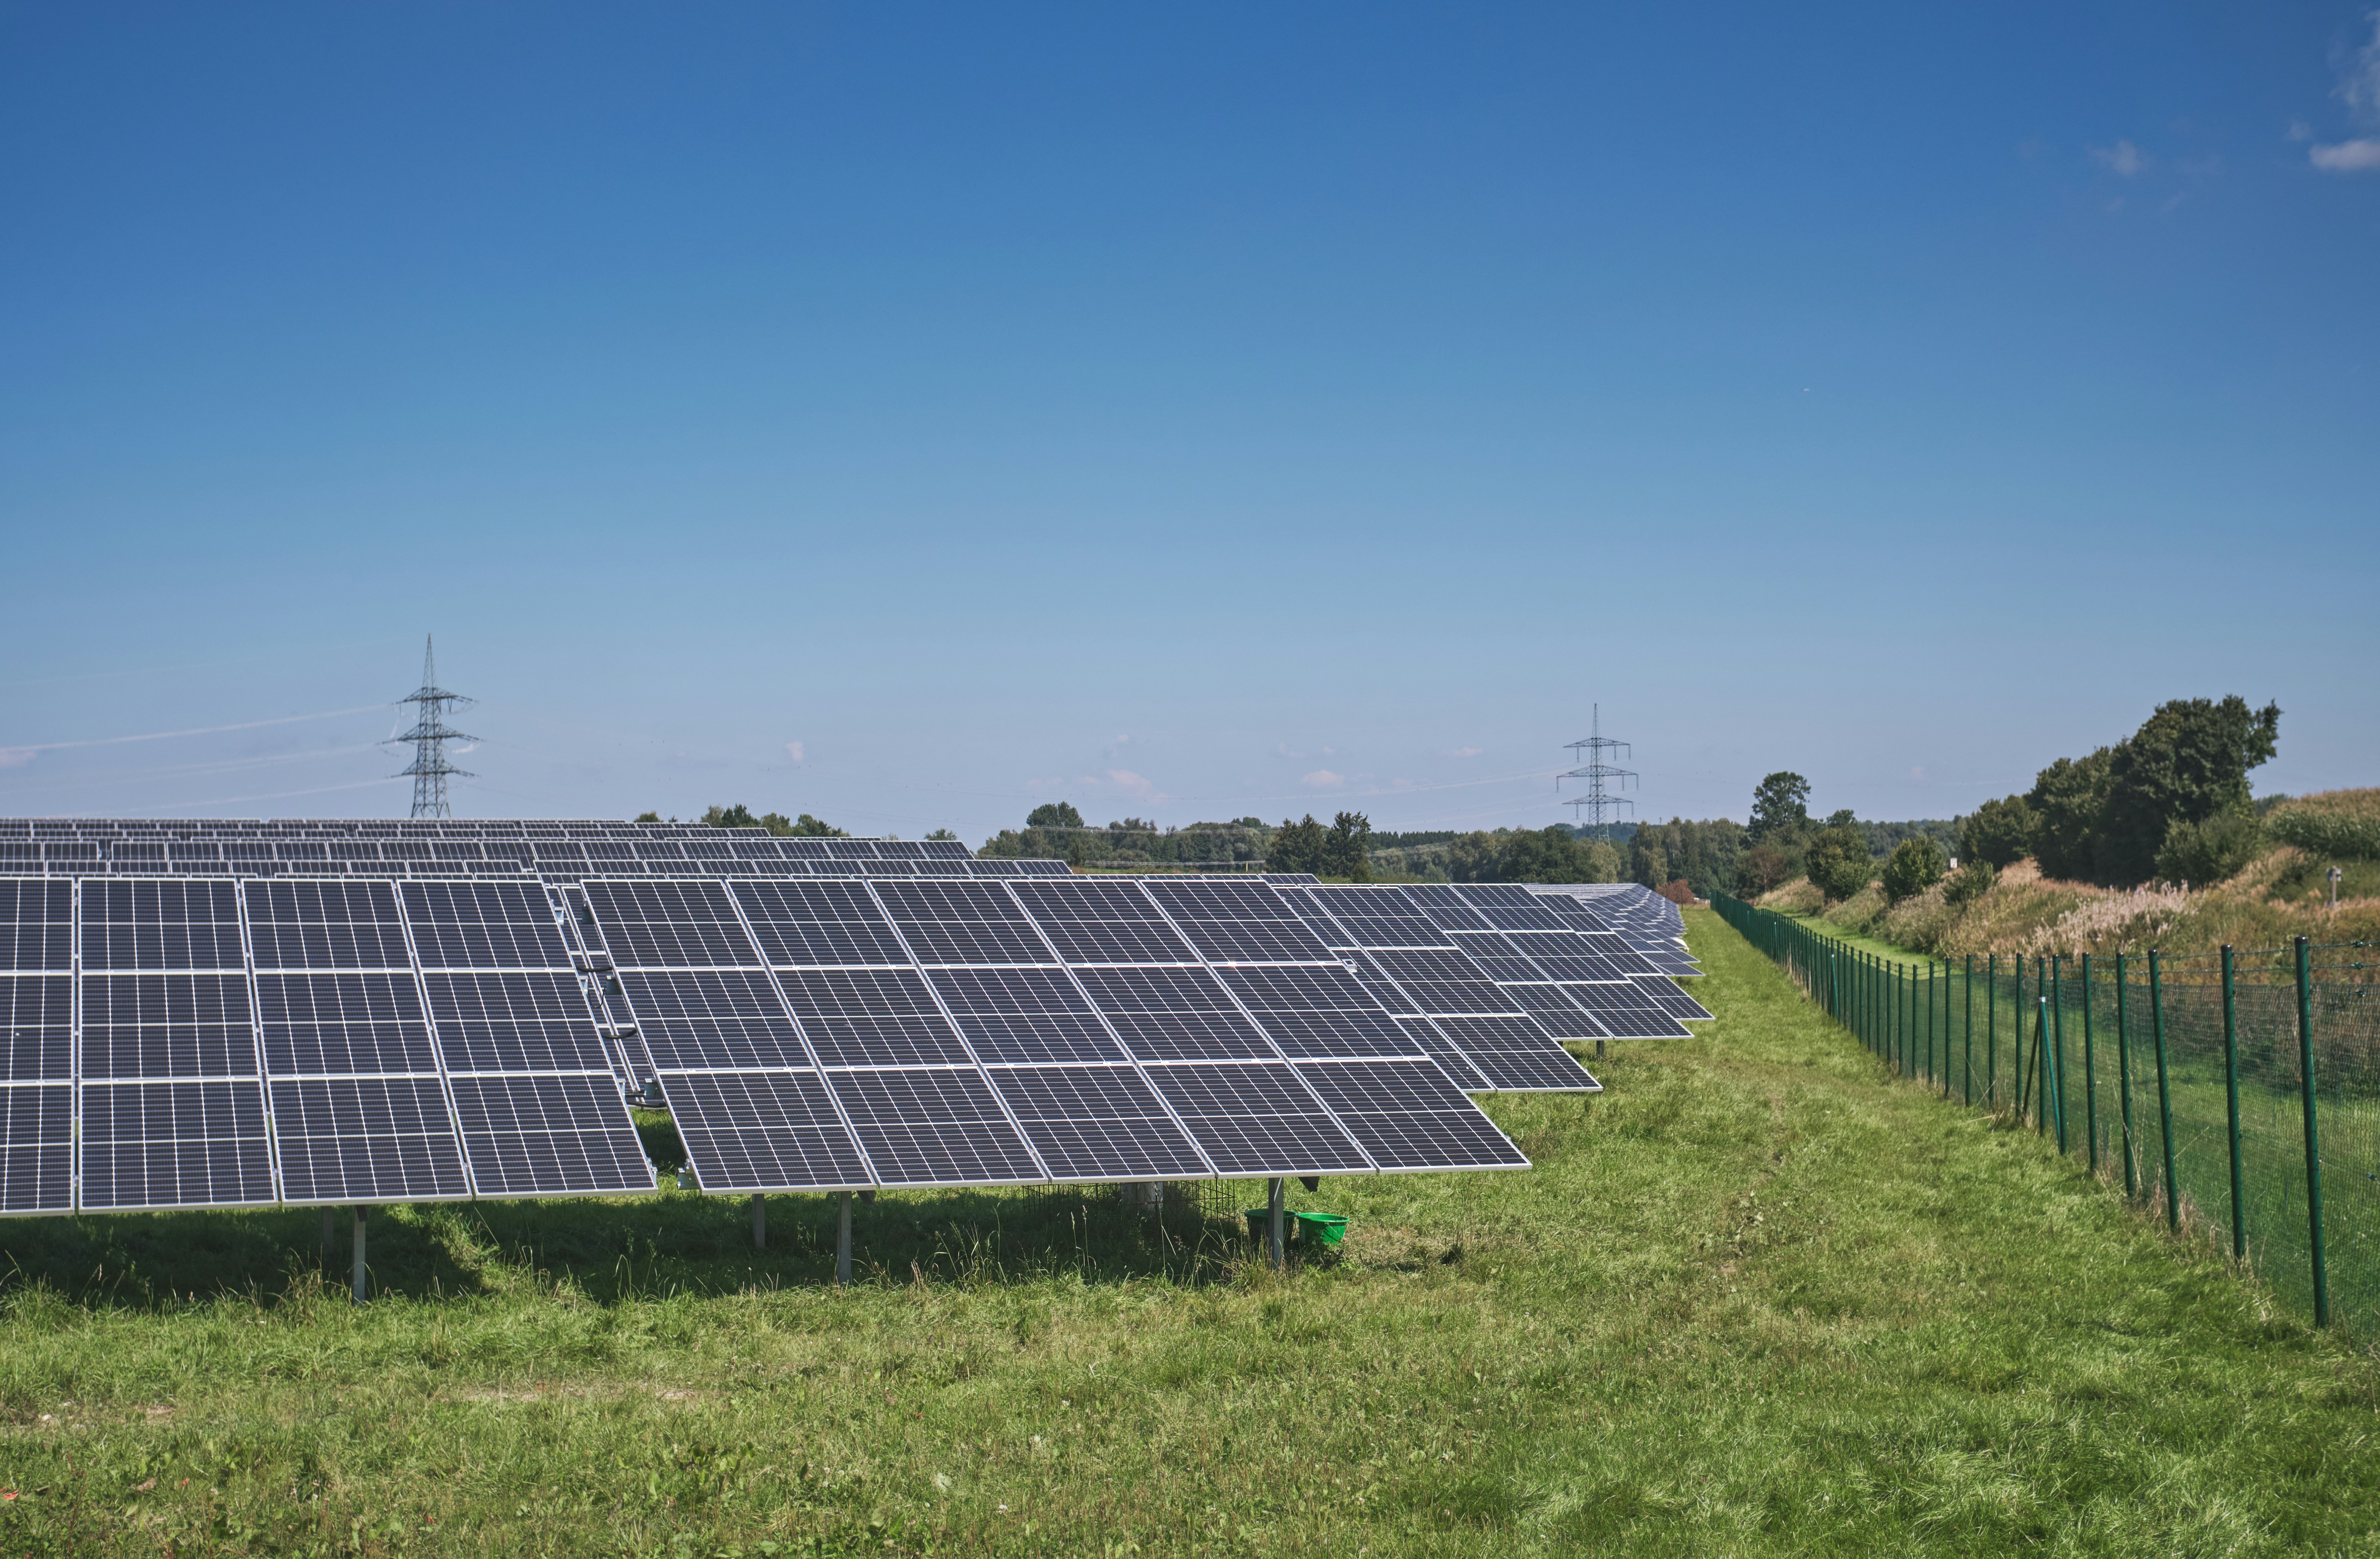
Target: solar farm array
235	1037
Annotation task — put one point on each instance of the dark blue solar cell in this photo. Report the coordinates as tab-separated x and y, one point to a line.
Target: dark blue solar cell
177	1144
366	1140
37	1148
37	1028
161	1026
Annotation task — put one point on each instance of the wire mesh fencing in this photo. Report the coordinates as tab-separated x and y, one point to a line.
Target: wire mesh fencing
2236	1093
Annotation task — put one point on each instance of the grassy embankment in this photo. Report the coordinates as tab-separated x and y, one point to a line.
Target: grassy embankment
1753	1300
2283	893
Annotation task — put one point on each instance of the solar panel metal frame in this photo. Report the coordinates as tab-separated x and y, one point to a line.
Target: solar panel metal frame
52	1157
281	1117
715	1075
1050	960
612	1101
859	1077
175	1084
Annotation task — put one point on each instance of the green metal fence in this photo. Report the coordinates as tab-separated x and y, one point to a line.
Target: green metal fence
2236	1093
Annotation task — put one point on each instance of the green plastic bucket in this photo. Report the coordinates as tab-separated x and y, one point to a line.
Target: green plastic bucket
1327	1228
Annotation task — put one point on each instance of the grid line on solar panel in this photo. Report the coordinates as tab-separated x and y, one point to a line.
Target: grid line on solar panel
1014	1019
692	1020
764	1131
1099	1122
872	1018
819	923
1024	1014
37	1028
37	1148
37	920
161	924
482	924
166	1026
165	1144
1557	1014
1236	922
1451	1058
1088	921
548	1133
678	922
935	1126
366	1138
1315	1011
325	923
1253	1117
946	921
1407	1116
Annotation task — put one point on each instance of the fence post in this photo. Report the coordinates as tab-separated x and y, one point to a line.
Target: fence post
2231	1093
2057	1045
1967	987
2312	1135
2165	1094
2023	1096
1991	1031
2124	1071
2090	1073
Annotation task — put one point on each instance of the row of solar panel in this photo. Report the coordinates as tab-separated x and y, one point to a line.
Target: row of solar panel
70	829
369	1026
311	847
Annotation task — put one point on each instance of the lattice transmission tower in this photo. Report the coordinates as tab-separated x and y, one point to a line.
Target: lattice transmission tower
1600	801
430	736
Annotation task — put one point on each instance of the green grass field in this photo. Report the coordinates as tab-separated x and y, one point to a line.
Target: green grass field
1754	1299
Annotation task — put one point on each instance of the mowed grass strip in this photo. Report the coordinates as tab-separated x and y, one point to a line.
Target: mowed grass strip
1754	1298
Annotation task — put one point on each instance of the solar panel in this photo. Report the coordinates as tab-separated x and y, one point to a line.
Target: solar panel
750	1105
37	1064
1237	921
535	1087
359	1109
1034	1030
1483	1029
1406	1115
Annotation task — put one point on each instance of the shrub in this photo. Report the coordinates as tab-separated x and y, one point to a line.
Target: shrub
1916	866
1971	881
2211	851
1997	833
1759	869
1677	891
1839	863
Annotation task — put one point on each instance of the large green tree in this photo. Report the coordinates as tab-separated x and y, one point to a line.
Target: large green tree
1998	833
1298	846
1838	861
2066	801
1780	809
1346	849
2187	762
1054	815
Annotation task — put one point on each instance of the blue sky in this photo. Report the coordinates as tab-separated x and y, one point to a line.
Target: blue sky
906	415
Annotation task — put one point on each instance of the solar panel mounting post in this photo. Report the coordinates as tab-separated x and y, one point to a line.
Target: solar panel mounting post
760	1221
842	1240
1273	1189
363	1215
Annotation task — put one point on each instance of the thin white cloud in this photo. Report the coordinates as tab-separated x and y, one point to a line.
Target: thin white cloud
2348	156
2359	88
793	752
1322	779
2123	158
1132	784
16	757
1467	752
